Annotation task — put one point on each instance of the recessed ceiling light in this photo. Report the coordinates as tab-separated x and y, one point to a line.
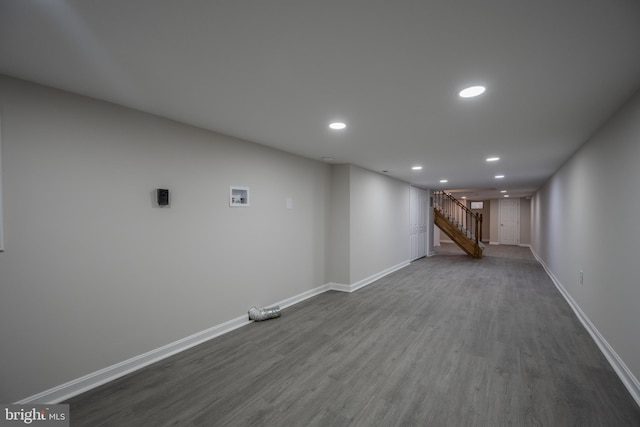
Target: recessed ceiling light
506	195
337	125
499	176
463	197
503	191
472	91
493	159
417	168
444	180
328	159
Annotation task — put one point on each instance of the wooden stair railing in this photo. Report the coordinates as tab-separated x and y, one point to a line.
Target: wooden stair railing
458	222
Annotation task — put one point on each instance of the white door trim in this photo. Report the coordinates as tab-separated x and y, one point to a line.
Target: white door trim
508	238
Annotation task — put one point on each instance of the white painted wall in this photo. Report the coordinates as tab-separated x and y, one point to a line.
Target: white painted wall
1	210
525	221
94	272
586	218
432	239
338	243
494	220
379	223
370	220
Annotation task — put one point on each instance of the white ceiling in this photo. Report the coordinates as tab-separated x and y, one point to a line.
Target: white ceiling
276	72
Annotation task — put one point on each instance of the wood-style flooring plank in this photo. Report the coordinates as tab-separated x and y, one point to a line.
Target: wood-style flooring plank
446	341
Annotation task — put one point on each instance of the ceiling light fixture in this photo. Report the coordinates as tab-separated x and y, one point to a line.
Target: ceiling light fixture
337	125
472	91
444	180
499	176
493	159
506	195
503	191
417	168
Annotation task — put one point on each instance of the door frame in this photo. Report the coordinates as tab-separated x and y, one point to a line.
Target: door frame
419	223
500	232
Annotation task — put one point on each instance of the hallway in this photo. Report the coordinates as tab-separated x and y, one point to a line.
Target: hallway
446	341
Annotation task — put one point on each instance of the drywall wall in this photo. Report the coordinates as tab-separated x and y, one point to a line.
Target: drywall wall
369	232
585	219
431	239
494	222
338	258
1	210
525	221
94	272
379	223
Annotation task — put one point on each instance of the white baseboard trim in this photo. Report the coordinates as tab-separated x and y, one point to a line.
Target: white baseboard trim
624	373
340	287
494	243
525	245
110	373
301	297
95	379
364	282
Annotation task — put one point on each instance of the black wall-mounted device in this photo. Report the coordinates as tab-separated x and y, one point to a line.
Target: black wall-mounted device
163	197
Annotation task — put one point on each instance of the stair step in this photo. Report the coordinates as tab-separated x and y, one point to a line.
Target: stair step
456	229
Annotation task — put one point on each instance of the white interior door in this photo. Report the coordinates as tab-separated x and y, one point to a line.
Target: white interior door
509	217
419	200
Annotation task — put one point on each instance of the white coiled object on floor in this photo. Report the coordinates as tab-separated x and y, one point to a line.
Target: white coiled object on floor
264	313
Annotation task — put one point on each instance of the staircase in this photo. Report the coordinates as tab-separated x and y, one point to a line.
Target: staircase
459	223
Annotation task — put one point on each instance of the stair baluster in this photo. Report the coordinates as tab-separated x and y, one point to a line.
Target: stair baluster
458	222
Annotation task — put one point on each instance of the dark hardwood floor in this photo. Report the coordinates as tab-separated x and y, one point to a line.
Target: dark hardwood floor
446	341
